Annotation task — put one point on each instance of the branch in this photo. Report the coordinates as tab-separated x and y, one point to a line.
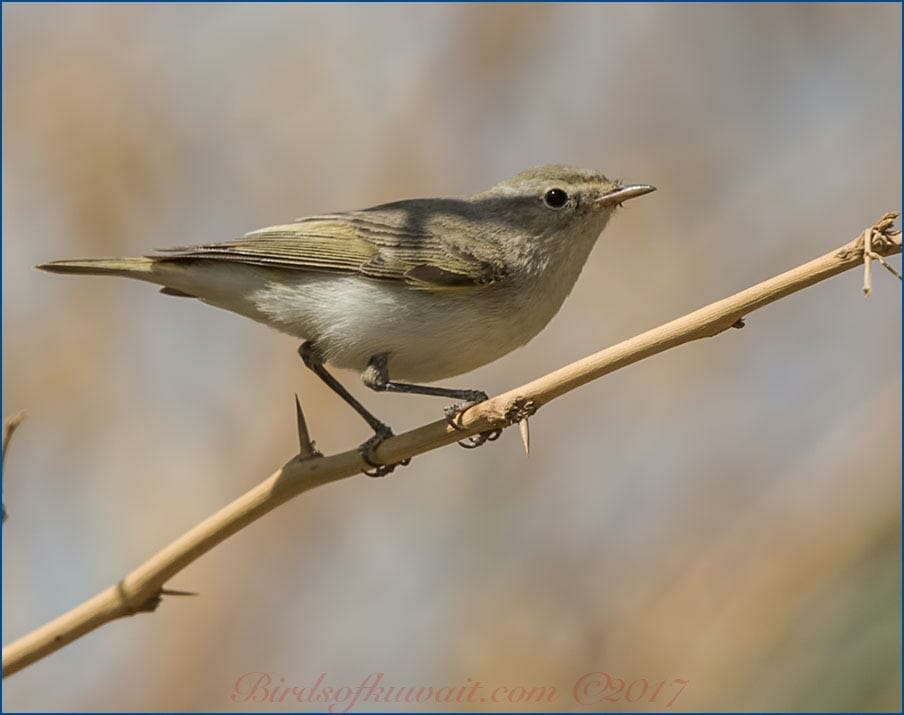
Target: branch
142	589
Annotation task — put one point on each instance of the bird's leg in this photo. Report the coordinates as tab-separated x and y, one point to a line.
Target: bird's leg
376	377
314	362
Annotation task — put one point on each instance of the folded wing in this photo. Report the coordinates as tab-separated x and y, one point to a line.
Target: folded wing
354	243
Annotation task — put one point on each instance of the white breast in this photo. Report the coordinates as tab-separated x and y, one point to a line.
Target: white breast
428	336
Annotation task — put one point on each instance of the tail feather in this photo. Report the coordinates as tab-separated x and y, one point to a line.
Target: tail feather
132	267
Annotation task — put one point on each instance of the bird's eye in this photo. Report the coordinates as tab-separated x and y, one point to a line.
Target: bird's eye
555	198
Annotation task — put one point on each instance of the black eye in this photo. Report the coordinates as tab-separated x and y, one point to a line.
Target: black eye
555	198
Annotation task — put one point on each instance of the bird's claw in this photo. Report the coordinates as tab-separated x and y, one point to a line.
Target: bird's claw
453	413
366	451
477	440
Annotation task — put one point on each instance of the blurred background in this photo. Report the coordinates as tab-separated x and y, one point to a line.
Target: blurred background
727	513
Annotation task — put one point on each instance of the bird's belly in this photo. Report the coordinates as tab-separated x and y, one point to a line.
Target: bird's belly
428	336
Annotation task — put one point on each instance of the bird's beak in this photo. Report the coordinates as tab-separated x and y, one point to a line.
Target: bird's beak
623	193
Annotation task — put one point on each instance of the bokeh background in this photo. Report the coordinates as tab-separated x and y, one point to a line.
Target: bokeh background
727	513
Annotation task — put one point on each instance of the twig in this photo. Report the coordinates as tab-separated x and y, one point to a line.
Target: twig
143	586
10	425
868	261
885	264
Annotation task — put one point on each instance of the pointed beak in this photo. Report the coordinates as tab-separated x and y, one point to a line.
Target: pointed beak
624	193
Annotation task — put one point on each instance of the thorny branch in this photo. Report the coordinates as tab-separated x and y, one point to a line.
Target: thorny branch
142	589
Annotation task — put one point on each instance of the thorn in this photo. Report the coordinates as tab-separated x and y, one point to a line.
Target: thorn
173	592
306	448
524	428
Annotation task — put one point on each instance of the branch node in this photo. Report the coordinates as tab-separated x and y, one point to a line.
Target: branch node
519	409
150	605
884	238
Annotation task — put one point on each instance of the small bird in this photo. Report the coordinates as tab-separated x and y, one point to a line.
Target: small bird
416	290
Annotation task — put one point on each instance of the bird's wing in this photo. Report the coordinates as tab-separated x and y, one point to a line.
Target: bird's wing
353	243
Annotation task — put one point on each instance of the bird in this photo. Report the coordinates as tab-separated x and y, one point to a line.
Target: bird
405	293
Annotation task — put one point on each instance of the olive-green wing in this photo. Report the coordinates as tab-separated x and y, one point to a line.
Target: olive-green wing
353	243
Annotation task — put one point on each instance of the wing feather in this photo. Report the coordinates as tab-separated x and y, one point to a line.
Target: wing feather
353	243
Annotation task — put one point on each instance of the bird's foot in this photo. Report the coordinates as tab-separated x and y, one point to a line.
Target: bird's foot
366	450
453	414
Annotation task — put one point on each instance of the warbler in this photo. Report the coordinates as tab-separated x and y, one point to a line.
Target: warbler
416	290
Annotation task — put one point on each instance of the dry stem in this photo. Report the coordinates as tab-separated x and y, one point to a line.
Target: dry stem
142	589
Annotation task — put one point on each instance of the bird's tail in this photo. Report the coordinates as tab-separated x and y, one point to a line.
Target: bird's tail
130	267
